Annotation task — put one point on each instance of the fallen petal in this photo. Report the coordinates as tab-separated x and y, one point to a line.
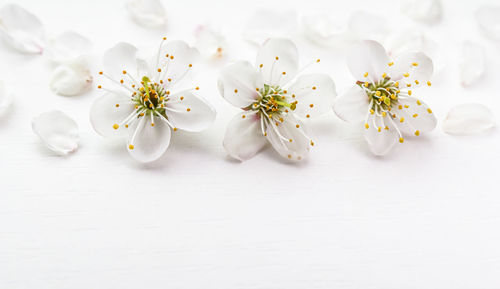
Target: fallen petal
210	42
21	29
488	19
67	47
57	130
427	11
468	118
71	79
148	13
472	63
267	23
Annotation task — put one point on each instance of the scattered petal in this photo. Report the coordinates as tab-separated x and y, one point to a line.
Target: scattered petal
488	19
244	137
210	42
425	11
468	118
268	23
71	79
67	47
148	13
21	29
5	98
324	30
58	131
472	63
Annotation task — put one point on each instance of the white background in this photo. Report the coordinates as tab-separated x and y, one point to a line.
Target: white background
425	216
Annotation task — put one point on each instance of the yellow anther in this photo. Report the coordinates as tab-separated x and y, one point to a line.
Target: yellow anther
290	140
190	65
235	91
372	111
418	102
99	87
100	72
152	124
126	126
366	84
188	109
415	115
121	80
393	96
396	84
277	58
115	126
297	126
314	87
417	82
384	75
414	64
401	140
261	65
409	92
407	106
312	143
159	69
384	114
386	128
243	116
367	126
130	147
429	110
197	88
429	83
378	93
175	129
366	74
284	73
402	119
400	106
379	129
308	116
417	133
390	63
406	74
124	72
117	105
318	60
289	156
311	105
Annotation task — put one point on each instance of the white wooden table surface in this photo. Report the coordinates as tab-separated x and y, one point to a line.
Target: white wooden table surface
425	216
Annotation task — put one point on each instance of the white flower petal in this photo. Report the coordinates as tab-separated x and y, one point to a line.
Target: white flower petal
277	60
289	138
472	63
147	143
119	58
324	30
71	79
367	56
175	67
58	131
210	42
270	23
380	134
426	11
314	93
108	110
418	65
488	18
21	29
67	47
244	137
417	116
352	105
468	118
189	112
365	25
238	83
5	98
148	13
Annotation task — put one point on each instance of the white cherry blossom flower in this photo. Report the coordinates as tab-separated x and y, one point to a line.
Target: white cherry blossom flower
386	94
467	119
144	101
273	98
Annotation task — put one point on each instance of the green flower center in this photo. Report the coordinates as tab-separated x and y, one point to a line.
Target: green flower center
272	100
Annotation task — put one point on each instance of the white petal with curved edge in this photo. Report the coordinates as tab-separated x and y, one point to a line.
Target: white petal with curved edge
380	135
418	65
367	56
149	142
472	63
269	23
244	137
238	82
67	47
417	116
210	42
5	98
175	67
488	18
279	59
352	105
71	79
119	58
58	131
290	141
314	93
192	113
468	118
21	29
426	11
324	30
148	13
104	113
